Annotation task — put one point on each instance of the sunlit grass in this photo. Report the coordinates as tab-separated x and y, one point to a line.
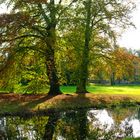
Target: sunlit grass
102	89
95	89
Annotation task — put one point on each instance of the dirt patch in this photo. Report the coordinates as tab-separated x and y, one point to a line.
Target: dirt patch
19	97
90	97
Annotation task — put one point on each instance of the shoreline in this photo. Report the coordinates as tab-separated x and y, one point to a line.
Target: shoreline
24	105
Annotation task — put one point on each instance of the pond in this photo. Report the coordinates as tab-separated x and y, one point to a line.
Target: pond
82	124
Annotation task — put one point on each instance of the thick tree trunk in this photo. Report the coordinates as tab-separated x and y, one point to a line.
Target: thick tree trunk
83	74
52	75
50	50
50	62
83	70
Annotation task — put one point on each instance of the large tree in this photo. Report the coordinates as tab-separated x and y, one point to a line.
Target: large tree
32	25
102	16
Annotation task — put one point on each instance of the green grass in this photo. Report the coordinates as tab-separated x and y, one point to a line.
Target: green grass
102	89
96	89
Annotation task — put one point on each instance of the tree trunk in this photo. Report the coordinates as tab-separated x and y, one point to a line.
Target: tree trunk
50	50
50	62
83	70
112	79
52	75
83	74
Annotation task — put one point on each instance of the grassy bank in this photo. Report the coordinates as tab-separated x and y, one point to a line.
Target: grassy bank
100	96
17	103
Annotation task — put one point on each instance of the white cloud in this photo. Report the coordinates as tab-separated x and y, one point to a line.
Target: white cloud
131	38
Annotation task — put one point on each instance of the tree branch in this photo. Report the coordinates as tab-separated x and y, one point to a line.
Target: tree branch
47	20
65	9
23	36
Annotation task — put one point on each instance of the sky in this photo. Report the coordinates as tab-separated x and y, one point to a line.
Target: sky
130	38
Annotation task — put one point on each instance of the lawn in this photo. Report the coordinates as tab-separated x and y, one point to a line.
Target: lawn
95	89
105	89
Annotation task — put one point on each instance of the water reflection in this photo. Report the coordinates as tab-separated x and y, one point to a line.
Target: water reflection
88	124
100	118
50	126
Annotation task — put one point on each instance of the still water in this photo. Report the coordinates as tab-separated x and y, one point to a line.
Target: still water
86	124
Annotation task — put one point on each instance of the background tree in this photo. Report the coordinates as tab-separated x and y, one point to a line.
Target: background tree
122	67
117	66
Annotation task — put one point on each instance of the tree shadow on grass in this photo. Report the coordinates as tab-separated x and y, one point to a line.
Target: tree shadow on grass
65	101
32	104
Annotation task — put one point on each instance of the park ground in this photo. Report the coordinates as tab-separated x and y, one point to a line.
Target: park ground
99	97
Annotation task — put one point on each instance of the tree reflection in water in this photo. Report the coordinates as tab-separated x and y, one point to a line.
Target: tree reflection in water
73	125
51	126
